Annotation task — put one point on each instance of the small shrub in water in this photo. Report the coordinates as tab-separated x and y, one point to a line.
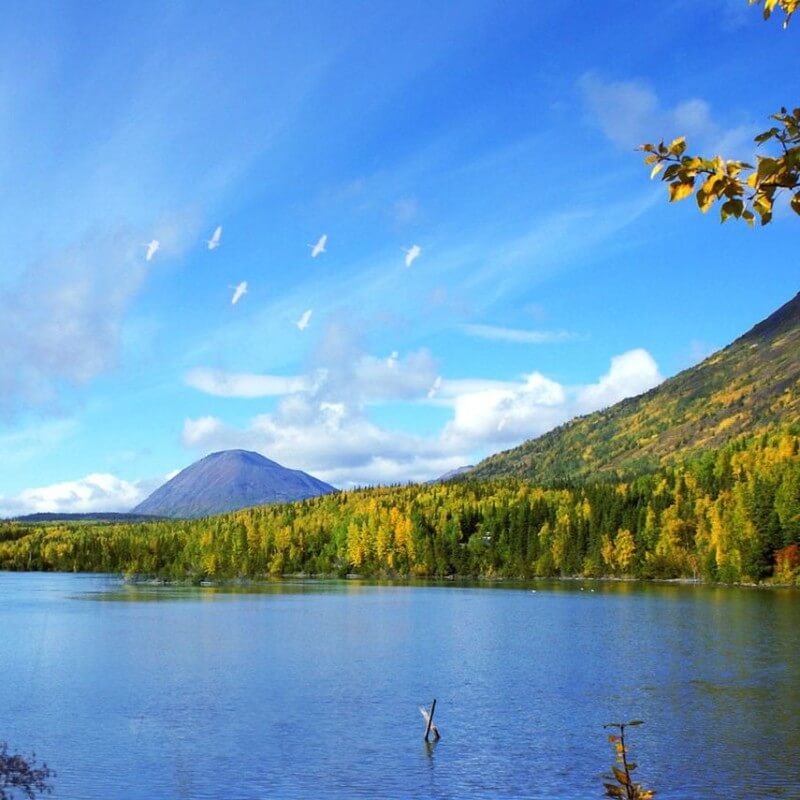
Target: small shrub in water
623	785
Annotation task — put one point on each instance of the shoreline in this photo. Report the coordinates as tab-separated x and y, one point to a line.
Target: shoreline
151	580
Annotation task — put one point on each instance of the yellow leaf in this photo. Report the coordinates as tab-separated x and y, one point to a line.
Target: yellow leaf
677	146
680	190
620	776
711	183
704	201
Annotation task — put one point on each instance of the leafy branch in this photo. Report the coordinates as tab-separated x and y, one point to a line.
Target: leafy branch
745	191
624	786
787	6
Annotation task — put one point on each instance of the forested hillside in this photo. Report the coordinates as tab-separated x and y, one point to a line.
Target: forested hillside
751	386
731	515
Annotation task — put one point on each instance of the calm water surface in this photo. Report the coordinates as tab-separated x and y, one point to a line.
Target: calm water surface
311	690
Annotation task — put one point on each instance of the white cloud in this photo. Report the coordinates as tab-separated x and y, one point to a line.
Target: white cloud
631	374
330	442
630	113
625	110
63	317
325	429
501	334
95	492
64	314
241	384
200	430
340	372
322	426
521	410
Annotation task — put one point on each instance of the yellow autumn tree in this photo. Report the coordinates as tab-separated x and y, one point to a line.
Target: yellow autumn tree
624	550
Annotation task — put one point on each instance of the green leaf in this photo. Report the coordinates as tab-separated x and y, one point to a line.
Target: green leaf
767	167
766	136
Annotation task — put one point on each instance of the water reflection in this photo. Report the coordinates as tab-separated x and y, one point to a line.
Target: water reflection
302	688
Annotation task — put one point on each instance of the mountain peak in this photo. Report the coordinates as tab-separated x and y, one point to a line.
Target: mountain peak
245	456
748	387
228	480
784	319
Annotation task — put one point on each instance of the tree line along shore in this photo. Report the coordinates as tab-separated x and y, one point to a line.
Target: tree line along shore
731	516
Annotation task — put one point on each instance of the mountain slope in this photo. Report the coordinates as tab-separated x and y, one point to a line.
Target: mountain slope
751	385
229	480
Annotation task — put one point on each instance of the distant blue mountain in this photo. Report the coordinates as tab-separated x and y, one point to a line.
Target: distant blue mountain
229	480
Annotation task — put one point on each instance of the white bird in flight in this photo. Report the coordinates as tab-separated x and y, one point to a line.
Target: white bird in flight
213	242
152	247
302	323
437	384
412	254
238	291
319	247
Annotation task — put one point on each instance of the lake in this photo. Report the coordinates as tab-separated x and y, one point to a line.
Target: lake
310	689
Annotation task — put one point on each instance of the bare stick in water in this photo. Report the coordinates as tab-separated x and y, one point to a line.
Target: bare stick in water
429	726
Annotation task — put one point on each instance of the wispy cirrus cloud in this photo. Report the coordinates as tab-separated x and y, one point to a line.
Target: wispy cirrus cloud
35	440
220	383
498	333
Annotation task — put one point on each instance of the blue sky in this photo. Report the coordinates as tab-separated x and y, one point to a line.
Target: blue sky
553	278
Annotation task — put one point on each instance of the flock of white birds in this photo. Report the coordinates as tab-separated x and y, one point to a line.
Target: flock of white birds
240	290
319	247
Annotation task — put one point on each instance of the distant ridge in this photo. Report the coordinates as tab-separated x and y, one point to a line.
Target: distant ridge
752	385
229	480
92	516
453	473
